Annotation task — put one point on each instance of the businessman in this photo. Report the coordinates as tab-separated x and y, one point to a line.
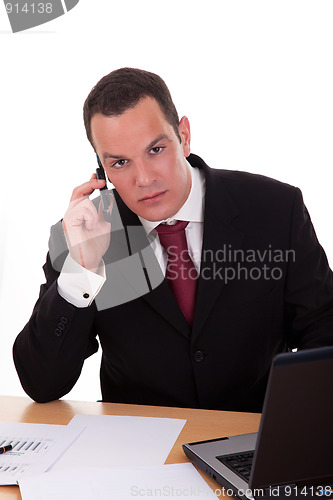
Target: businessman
200	278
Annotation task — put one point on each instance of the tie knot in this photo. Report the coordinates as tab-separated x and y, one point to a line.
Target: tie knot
173	235
172	228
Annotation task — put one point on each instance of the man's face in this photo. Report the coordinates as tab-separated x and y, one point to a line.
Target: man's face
144	159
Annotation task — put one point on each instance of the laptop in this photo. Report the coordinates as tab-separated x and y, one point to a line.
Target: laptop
291	456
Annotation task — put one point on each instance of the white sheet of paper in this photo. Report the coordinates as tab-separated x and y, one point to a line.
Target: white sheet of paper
35	448
117	441
180	481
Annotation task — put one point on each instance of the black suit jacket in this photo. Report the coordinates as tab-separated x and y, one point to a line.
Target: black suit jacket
265	287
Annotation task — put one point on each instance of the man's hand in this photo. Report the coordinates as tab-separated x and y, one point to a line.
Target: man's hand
87	233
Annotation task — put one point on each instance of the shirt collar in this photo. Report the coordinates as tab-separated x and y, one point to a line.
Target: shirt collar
193	208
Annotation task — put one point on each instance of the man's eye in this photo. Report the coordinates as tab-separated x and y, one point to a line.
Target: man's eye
156	150
119	163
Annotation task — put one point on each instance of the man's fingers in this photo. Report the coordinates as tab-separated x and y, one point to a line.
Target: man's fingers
87	188
87	235
82	213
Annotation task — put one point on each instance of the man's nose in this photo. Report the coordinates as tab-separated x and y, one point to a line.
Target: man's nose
144	174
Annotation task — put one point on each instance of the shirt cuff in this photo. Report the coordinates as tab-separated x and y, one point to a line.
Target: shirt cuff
78	285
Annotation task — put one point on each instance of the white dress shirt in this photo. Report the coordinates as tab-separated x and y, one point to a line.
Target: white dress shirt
79	286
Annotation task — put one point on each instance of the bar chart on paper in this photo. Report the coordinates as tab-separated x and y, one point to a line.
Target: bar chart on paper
21	446
35	448
26	445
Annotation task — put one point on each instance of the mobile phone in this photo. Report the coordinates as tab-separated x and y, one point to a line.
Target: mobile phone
105	196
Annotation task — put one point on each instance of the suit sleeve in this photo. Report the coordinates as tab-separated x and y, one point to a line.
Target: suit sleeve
50	351
309	288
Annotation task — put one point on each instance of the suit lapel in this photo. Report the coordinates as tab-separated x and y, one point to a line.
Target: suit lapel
219	232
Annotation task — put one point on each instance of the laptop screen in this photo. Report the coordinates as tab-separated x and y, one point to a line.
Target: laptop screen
295	440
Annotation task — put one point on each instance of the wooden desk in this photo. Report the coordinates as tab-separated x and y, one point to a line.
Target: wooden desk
201	424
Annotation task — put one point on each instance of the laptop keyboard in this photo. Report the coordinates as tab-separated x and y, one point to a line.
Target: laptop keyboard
239	463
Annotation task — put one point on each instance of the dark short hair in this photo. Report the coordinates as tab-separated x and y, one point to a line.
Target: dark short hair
121	90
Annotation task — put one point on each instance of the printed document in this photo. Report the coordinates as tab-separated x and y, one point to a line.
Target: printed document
35	448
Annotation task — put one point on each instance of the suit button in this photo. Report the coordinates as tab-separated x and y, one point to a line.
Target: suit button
198	356
64	320
58	332
61	326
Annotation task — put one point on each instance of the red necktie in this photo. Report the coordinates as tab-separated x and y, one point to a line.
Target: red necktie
181	274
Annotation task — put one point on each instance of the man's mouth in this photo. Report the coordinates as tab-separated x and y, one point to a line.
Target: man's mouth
153	198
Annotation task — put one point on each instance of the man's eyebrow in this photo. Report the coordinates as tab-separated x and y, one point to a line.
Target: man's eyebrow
161	137
109	155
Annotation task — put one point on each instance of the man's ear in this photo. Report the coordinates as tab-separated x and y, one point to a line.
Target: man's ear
185	135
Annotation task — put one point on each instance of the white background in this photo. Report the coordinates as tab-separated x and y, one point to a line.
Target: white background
255	79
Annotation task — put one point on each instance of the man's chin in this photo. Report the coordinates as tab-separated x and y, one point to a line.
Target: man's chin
154	219
155	213
155	216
